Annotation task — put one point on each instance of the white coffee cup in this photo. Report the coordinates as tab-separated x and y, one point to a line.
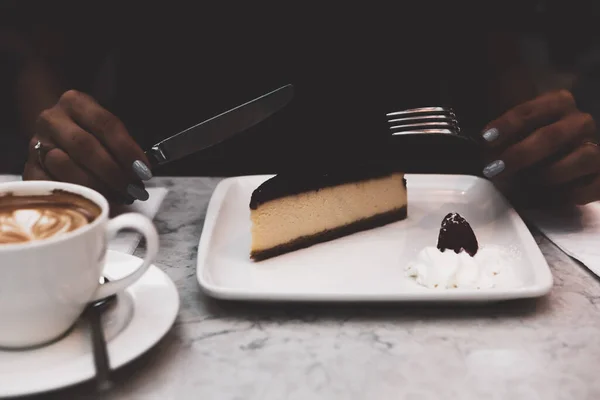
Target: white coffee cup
46	284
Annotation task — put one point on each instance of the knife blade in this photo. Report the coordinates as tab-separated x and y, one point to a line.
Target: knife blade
219	128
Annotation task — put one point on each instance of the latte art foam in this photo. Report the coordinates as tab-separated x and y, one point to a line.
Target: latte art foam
30	218
26	225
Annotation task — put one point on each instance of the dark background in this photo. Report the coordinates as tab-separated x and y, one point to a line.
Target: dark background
178	65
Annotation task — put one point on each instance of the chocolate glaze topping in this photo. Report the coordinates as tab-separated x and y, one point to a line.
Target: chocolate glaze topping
318	177
456	234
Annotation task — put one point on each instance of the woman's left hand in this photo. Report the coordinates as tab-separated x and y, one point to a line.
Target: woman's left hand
548	144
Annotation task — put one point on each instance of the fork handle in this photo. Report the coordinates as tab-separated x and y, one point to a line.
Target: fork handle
434	153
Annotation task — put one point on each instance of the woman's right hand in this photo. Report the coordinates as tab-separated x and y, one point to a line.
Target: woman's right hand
83	143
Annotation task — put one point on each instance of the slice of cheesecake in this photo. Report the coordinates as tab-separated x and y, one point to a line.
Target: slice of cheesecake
294	210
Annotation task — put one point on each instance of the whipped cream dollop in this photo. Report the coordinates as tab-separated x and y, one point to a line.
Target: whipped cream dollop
446	270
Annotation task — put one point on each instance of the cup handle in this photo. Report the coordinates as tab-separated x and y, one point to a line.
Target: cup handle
144	226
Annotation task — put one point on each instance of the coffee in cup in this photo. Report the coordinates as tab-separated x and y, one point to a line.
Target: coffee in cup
26	218
53	244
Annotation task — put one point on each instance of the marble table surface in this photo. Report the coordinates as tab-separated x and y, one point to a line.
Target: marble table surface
533	349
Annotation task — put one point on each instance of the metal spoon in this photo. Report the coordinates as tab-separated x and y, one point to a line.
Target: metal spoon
94	313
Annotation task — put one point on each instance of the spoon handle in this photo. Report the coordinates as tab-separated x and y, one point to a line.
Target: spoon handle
99	347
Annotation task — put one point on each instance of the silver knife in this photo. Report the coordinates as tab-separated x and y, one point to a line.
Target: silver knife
217	129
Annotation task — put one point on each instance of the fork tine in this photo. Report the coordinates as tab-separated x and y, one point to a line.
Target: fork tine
426	131
424	121
423	118
424	125
422	110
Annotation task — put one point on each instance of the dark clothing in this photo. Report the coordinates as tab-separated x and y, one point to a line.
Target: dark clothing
179	63
349	68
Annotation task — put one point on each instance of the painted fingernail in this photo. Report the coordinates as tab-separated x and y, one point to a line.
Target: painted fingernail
142	170
137	192
491	134
493	168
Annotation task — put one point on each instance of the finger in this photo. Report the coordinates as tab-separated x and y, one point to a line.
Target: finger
59	165
36	156
586	193
541	144
527	117
85	150
51	163
584	160
33	172
109	130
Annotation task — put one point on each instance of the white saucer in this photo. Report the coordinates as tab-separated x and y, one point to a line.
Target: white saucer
141	317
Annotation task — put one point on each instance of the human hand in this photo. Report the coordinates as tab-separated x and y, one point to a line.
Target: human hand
549	147
80	142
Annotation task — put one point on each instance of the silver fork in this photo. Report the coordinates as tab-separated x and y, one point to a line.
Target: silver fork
425	120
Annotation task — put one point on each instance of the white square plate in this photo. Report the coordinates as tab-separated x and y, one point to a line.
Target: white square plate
370	265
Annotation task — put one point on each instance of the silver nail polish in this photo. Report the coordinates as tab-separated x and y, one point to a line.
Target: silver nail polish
137	192
491	134
493	168
142	170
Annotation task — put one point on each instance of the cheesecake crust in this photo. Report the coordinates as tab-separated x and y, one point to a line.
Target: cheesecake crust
307	241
